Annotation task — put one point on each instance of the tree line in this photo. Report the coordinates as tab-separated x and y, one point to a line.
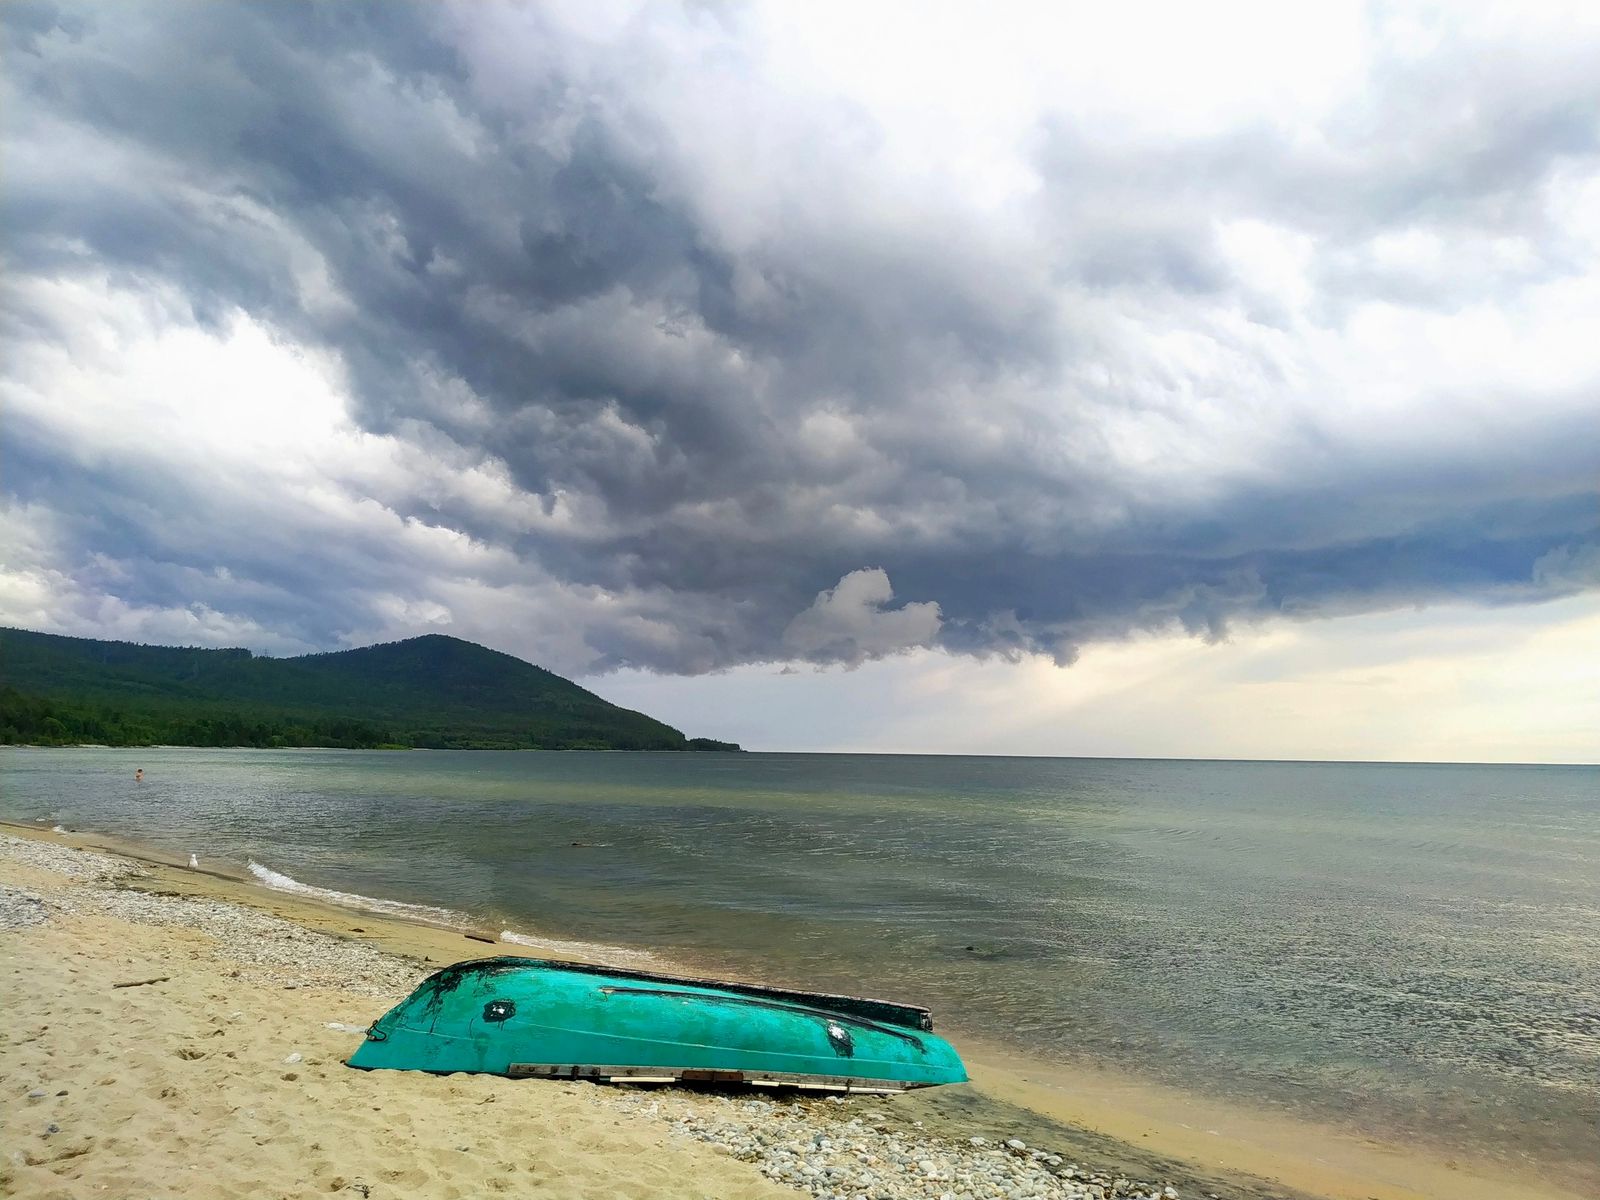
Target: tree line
46	721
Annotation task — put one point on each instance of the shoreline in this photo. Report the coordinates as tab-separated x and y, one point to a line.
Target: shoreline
1093	1116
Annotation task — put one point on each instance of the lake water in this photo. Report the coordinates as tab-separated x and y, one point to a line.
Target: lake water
1408	950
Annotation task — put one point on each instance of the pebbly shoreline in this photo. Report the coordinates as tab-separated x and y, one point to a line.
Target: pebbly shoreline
831	1148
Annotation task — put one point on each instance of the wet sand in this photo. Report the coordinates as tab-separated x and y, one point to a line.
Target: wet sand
181	1087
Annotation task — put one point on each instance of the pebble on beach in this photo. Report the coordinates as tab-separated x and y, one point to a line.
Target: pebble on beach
833	1152
20	910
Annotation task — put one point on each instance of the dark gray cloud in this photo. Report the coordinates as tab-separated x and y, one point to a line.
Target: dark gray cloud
648	402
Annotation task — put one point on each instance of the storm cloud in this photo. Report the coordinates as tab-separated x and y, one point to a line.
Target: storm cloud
637	338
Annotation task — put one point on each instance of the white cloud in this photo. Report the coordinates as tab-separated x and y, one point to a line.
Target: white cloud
45	590
850	622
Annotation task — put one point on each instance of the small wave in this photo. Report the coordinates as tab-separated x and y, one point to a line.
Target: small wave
279	882
589	951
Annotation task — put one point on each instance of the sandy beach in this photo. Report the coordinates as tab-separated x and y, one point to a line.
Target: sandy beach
178	1033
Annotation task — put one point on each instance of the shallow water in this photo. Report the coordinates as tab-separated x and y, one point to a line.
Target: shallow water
1409	950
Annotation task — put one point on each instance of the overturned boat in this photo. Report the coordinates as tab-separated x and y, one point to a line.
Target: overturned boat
541	1018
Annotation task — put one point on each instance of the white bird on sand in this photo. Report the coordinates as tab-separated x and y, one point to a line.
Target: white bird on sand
194	863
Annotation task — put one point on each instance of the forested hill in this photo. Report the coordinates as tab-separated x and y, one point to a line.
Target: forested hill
429	691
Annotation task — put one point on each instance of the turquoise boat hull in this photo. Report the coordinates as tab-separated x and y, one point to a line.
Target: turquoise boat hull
540	1018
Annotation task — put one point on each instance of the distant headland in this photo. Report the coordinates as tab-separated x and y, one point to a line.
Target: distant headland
432	692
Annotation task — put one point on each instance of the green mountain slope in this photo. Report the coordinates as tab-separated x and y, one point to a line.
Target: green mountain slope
428	691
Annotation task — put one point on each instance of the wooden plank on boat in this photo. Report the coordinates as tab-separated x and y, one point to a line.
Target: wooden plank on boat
706	1075
621	1074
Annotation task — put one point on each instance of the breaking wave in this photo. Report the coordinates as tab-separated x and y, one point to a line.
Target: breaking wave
279	882
585	951
449	917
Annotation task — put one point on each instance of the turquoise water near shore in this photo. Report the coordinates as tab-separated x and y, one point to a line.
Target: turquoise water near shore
1409	950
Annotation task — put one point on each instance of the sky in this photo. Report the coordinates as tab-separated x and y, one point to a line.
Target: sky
1143	379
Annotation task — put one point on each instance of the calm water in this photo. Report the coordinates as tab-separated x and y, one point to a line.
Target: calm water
1407	949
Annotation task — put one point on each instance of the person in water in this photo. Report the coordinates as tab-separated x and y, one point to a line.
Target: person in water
138	775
